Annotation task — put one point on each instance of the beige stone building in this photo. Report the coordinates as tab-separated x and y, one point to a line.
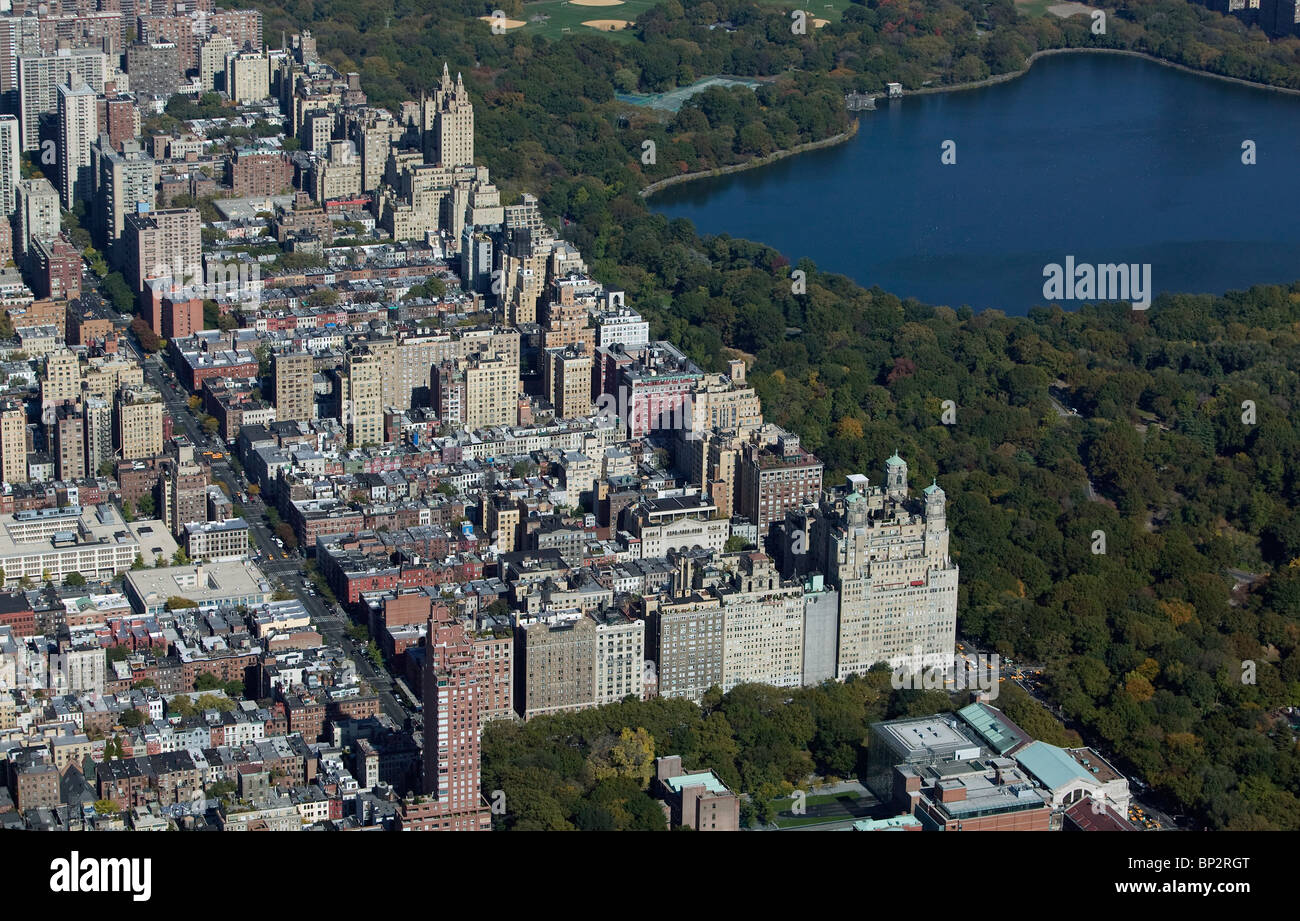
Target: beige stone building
293	373
13	442
491	392
567	380
139	423
364	415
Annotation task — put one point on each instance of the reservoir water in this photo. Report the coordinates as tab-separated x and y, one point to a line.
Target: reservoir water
1106	158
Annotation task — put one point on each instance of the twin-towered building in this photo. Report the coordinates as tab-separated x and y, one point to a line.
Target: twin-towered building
862	578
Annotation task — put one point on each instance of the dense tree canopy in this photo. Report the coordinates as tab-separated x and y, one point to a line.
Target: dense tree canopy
1175	648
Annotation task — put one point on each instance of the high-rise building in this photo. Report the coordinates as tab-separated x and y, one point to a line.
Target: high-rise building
887	554
762	627
97	414
491	392
248	76
293	373
61	382
69	442
620	656
13	442
78	128
185	490
124	184
567	381
212	62
688	635
119	118
448	387
775	479
365	406
11	153
38	214
453	700
259	174
557	664
54	268
163	244
20	37
39	79
371	131
154	68
449	123
139	423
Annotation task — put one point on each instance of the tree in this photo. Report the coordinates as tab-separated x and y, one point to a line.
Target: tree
285	532
631	755
214	702
149	340
178	603
131	719
206	681
74	580
146	506
106	806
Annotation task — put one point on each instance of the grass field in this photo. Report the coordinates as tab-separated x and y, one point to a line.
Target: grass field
834	807
830	10
1034	7
563	15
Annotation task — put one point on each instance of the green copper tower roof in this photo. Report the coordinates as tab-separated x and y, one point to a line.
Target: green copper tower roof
896	461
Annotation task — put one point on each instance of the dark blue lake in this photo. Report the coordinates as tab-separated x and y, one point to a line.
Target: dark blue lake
1102	157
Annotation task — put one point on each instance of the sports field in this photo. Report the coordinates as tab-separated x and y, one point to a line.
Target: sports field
574	17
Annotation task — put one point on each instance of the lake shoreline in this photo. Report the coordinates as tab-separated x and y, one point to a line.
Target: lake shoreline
773	157
997	79
1125	52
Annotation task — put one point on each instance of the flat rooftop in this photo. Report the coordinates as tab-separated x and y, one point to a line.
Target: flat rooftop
706	779
929	737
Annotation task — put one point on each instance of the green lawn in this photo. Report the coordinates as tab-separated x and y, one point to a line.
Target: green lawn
831	10
783	819
1034	7
562	15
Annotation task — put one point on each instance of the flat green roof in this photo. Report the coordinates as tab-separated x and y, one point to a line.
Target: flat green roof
991	729
706	779
1053	766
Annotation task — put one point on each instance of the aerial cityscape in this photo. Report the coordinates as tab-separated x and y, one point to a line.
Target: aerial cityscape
384	448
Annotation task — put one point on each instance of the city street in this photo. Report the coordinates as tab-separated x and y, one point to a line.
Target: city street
279	564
